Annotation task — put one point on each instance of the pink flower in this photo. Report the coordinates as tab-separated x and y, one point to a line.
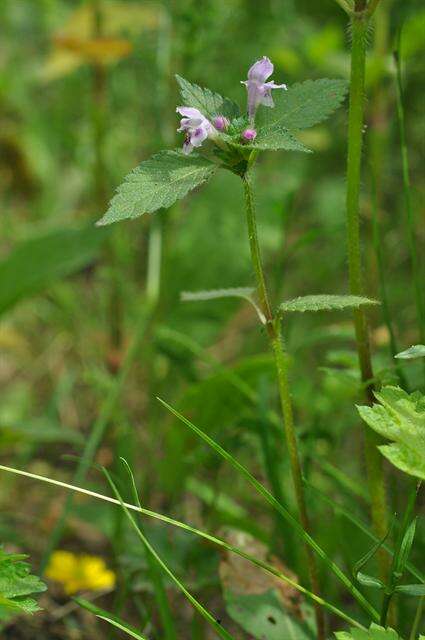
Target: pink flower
260	91
221	123
195	126
249	134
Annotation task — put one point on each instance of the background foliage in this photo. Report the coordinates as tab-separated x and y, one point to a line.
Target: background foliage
82	103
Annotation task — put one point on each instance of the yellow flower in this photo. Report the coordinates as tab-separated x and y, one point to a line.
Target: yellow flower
79	572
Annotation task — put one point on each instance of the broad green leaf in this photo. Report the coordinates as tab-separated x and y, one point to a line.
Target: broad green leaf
156	183
375	632
262	616
304	104
17	585
276	136
109	617
34	264
400	417
411	589
209	104
416	351
325	302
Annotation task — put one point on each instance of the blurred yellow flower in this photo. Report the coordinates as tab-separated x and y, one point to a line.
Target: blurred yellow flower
79	572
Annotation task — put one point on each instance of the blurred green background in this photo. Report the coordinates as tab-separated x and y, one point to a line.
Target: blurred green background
87	92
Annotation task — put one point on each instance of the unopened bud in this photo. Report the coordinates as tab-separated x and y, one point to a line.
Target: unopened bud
249	134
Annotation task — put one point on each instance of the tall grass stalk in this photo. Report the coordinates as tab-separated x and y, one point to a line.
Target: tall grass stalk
410	218
281	361
182	525
287	515
375	472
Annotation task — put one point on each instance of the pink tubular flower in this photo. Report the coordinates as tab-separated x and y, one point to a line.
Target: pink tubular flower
260	91
195	126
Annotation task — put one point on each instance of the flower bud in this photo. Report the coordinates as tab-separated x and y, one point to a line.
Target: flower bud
220	123
249	134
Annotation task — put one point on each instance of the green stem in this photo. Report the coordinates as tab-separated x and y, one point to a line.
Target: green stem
395	572
281	361
416	273
376	482
417	620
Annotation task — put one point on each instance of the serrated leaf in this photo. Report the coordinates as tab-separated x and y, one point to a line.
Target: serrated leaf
36	263
156	183
304	104
16	585
411	589
277	137
375	632
210	104
325	302
400	417
415	351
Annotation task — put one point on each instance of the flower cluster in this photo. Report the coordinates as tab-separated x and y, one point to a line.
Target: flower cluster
79	572
197	128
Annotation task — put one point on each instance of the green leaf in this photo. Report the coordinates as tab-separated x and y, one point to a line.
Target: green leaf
375	632
361	577
209	104
156	183
275	136
415	351
400	417
115	621
369	581
262	616
325	302
214	294
34	264
304	104
411	589
16	585
405	548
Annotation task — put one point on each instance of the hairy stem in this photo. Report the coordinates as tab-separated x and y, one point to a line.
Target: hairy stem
281	361
374	465
416	272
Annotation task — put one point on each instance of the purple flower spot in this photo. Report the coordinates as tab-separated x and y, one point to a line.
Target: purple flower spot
249	134
221	123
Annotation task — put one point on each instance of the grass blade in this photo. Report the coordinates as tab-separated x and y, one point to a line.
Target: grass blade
185	527
193	601
282	510
111	619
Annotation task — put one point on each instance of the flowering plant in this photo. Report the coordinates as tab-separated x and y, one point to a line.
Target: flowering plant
217	135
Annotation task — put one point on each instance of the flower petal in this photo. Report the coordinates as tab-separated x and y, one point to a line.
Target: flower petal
273	85
190	112
187	147
198	136
261	70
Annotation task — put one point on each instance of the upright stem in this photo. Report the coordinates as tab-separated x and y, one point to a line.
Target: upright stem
281	361
417	279
376	481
